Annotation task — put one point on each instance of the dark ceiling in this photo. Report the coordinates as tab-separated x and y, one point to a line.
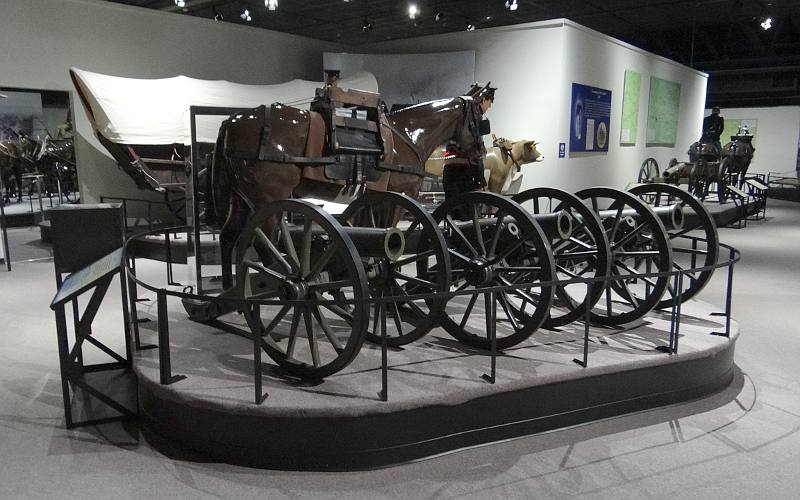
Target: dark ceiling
749	66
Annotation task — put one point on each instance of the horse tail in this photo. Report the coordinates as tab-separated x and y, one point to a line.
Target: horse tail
218	184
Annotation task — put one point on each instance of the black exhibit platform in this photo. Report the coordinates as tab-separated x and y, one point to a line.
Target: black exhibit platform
438	400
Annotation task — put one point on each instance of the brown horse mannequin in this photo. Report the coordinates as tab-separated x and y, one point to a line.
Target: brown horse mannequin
410	136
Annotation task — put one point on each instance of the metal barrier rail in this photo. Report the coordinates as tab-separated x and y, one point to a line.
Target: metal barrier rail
165	371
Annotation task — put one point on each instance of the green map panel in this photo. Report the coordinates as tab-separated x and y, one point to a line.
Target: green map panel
630	107
662	112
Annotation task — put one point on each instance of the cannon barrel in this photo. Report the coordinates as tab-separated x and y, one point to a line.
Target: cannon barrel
671	216
369	241
554	225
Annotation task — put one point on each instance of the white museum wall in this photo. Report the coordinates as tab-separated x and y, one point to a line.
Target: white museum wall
42	39
777	136
534	66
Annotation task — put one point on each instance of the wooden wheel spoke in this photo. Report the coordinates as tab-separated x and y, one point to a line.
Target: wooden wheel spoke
305	250
496	235
505	253
288	243
575	255
476	224
629	295
517	269
637	253
519	293
566	271
265	271
414	258
276	320
276	254
339	311
326	328
457	231
329	285
396	316
312	339
632	272
323	261
507	309
415	280
293	333
628	237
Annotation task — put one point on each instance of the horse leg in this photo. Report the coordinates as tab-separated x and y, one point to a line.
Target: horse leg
237	218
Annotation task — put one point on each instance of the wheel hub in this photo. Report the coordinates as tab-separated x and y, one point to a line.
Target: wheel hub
294	290
479	272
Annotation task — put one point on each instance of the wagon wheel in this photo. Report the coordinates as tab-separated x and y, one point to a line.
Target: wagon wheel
723	178
499	243
687	253
649	170
424	267
293	252
639	245
583	254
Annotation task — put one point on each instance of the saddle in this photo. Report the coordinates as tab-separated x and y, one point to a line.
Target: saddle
344	133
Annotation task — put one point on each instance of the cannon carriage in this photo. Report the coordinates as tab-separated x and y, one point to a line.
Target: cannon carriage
706	166
324	245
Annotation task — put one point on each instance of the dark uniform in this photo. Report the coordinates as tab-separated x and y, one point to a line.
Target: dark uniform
713	125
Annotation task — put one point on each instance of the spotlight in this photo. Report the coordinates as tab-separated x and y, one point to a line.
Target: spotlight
412	11
766	23
180	3
511	4
438	16
217	16
271	4
245	15
470	27
366	26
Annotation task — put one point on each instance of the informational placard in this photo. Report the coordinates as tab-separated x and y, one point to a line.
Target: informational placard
590	120
631	95
662	112
733	125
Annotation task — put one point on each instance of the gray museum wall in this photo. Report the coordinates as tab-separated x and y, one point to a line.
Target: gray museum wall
42	39
777	137
534	66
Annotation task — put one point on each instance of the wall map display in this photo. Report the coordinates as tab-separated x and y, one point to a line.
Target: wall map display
662	112
590	119
631	95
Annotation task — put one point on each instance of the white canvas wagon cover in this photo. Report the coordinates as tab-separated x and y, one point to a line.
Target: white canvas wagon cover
156	111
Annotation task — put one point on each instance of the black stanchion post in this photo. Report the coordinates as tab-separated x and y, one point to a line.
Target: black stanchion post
65	363
164	359
384	394
728	298
491	330
678	315
586	321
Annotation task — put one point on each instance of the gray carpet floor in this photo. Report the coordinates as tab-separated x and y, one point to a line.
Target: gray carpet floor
740	443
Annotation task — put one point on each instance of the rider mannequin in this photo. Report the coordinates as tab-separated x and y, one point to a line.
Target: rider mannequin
462	174
713	125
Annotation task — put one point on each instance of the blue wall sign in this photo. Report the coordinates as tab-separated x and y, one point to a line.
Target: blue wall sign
562	149
590	119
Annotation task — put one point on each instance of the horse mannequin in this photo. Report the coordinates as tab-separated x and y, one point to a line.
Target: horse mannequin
502	164
409	137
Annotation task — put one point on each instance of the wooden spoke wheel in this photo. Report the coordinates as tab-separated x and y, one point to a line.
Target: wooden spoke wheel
648	171
294	253
583	254
176	204
493	241
639	245
424	267
687	253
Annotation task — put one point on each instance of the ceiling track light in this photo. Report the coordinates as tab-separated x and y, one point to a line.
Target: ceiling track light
245	15
438	16
180	3
511	4
271	4
766	23
470	27
412	11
